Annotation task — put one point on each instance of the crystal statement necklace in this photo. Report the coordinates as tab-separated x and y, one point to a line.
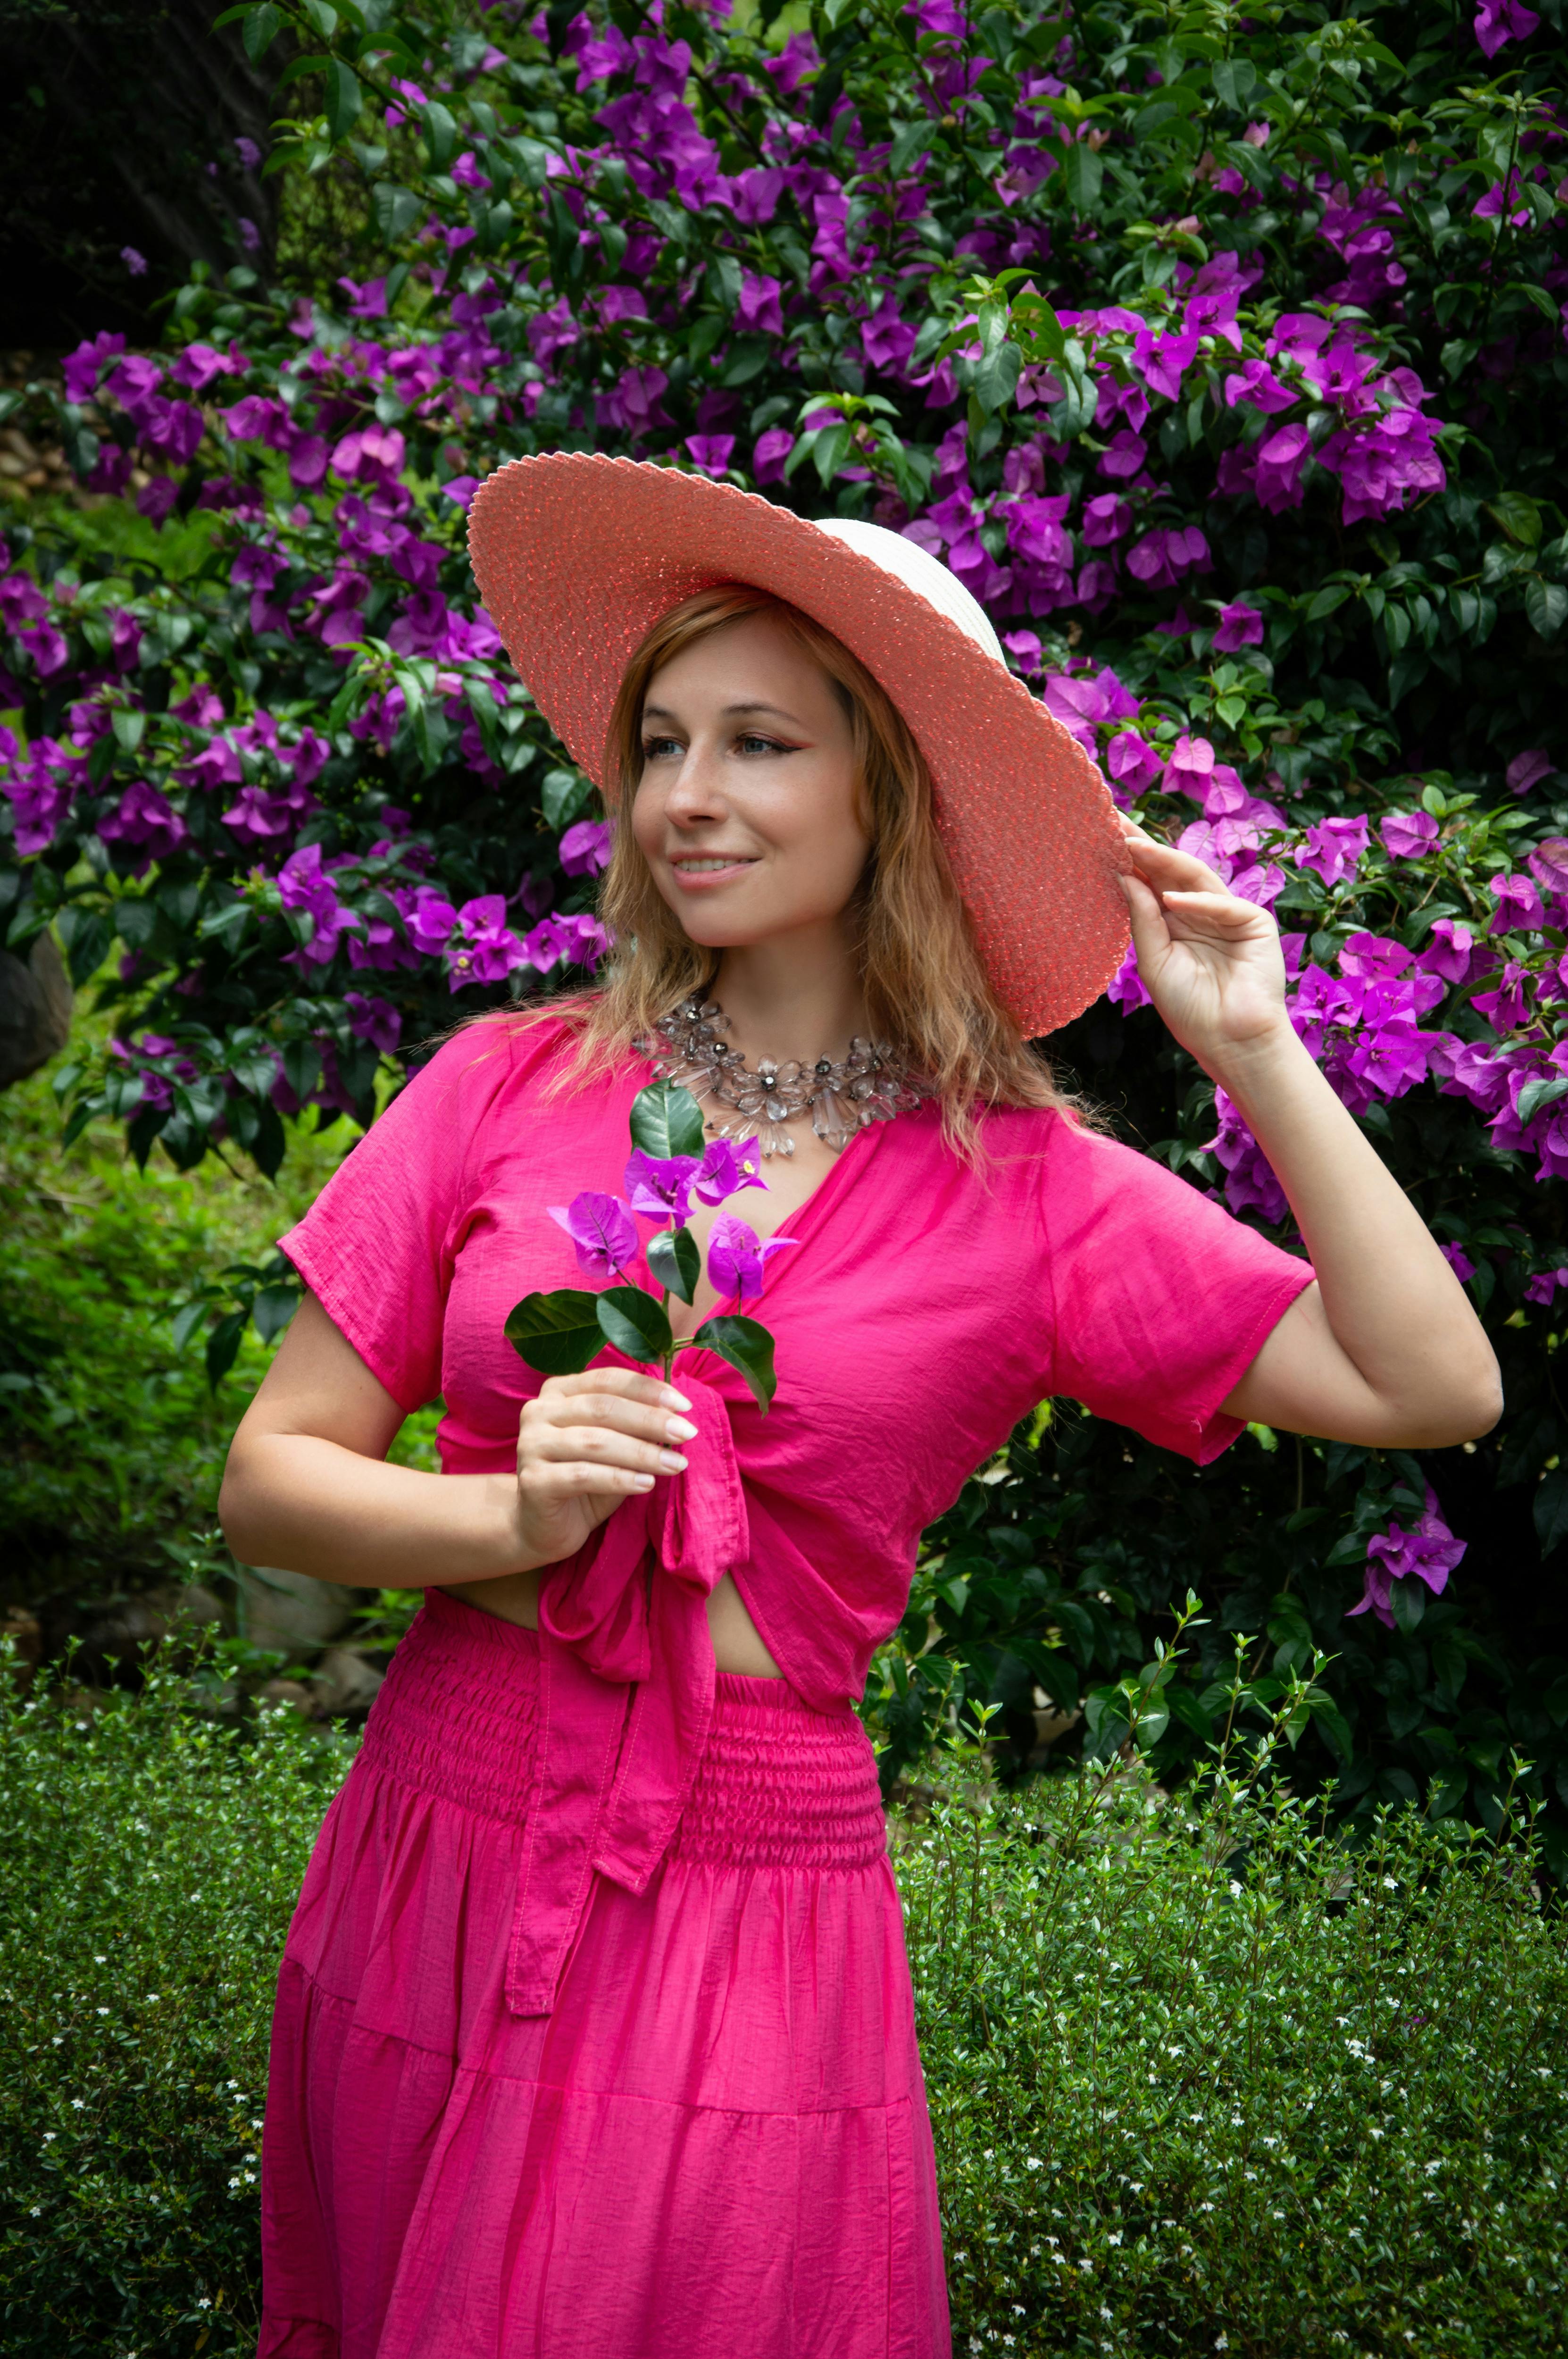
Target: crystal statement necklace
872	1085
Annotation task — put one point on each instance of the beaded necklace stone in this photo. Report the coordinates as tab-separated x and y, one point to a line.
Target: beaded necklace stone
872	1083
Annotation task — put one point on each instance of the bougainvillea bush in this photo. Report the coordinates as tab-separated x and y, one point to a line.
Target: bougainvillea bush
1221	354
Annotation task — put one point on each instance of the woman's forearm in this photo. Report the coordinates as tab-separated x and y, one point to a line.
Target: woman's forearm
310	1505
1392	1306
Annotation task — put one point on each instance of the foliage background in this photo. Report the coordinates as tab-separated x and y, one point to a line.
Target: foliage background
1197	2081
1267	497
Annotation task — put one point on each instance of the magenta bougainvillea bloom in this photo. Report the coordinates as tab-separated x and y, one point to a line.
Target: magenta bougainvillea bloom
1428	1551
737	1257
603	1233
1239	626
727	1166
1408	835
1334	848
1499	21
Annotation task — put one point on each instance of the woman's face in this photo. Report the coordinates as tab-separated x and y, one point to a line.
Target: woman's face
746	808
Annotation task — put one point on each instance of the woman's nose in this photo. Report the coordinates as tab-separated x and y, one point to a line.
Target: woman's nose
697	792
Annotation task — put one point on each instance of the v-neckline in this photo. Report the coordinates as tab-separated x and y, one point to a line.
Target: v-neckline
804	1222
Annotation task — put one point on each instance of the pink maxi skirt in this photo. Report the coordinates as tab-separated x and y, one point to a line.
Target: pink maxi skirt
717	2147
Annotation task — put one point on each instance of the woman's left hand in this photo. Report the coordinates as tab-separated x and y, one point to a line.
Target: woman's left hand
1210	961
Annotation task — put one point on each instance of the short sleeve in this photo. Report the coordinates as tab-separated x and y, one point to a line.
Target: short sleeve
1161	1300
377	1247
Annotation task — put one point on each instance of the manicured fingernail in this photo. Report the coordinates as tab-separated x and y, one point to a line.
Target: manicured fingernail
671	1462
678	1429
642	1482
670	1398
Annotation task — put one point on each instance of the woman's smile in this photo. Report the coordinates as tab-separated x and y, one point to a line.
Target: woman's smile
698	872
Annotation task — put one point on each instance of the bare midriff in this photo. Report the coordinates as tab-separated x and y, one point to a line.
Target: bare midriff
737	1643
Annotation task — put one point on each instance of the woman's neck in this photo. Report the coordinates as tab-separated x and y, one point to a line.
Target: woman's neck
788	999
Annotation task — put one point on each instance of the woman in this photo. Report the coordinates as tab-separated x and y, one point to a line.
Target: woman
594	2028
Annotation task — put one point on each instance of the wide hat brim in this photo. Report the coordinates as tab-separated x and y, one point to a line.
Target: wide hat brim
577	555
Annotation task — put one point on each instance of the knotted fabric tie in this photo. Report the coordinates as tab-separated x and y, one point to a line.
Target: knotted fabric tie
626	1695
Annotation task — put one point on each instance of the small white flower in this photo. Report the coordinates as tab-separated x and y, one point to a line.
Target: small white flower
78	2104
204	2303
102	2010
1032	2162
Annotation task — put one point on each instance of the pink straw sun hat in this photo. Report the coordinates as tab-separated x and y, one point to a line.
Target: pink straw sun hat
578	556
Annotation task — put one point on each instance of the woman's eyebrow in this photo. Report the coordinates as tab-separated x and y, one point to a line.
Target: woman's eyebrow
729	711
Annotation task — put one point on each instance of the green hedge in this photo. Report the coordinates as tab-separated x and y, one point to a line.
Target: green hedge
1202	2080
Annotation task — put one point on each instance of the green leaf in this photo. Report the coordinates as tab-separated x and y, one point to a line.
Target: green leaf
557	1334
997	378
1543	1091
1545	606
562	796
224	1344
440	135
1235	81
273	1309
748	1348
344	99
1325	600
129	728
633	1322
666	1121
396	210
911	140
1334	1724
1551	1510
88	949
187	1321
1517	515
261	30
832	448
674	1261
1083	172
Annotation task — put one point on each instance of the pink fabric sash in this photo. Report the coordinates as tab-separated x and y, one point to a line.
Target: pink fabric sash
625	1697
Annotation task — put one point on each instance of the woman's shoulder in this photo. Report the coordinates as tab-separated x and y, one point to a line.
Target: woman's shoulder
507	1051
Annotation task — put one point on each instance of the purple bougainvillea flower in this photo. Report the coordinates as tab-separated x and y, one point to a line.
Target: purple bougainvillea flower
1334	848
1407	835
727	1166
1428	1551
1239	626
1525	769
585	848
1499	21
737	1257
1132	762
1547	864
768	459
1190	766
660	1186
1460	1263
603	1233
1518	904
710	453
1543	1285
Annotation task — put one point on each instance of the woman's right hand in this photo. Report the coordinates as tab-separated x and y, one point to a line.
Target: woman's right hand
586	1442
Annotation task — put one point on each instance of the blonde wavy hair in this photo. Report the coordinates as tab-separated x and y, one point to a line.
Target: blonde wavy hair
926	989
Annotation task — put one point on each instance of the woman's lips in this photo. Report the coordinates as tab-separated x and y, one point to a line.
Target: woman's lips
698	880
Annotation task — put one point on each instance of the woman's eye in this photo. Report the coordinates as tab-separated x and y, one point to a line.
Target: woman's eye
658	749
752	744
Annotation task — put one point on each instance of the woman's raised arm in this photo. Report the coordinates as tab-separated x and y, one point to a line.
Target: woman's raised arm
1385	1349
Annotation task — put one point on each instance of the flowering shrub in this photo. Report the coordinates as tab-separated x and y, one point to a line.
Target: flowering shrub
1219	353
1197	2077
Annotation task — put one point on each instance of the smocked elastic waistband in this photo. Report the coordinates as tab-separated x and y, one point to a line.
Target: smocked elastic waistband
779	1785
